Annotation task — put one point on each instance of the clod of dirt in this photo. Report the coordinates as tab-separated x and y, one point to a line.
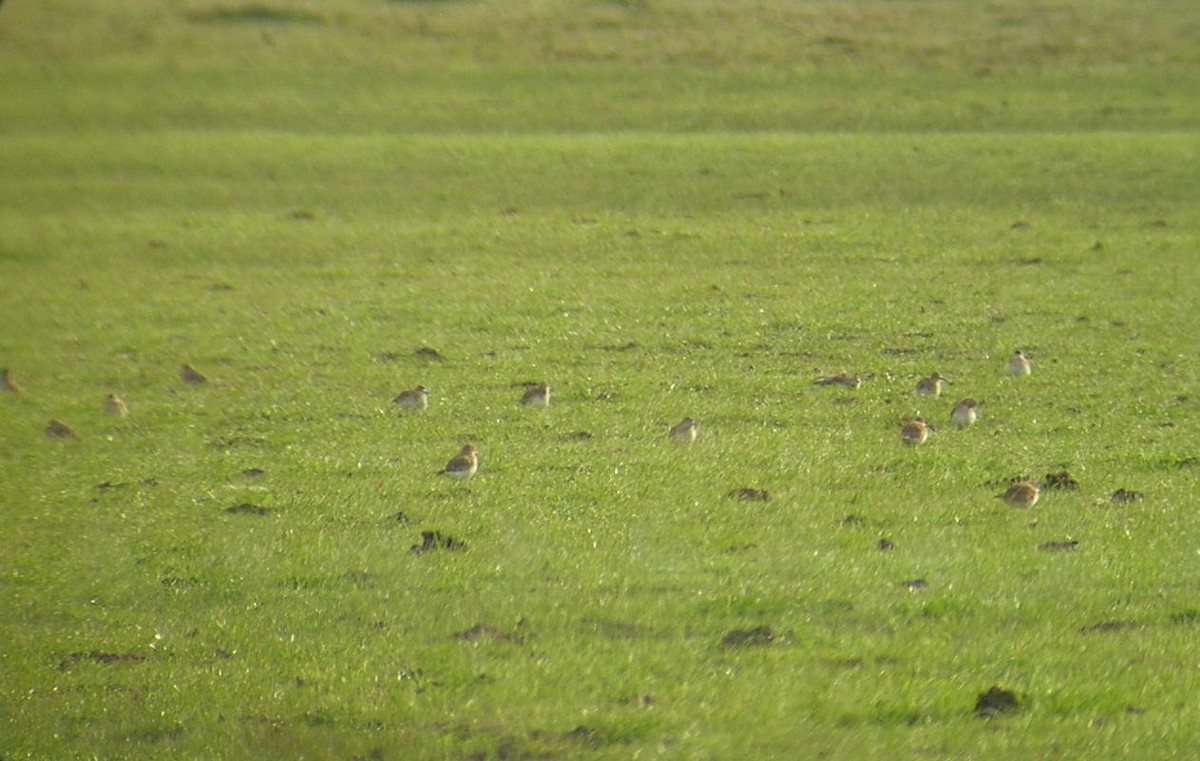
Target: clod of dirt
1126	495
57	429
750	495
1060	480
401	518
253	472
759	636
914	584
885	544
995	701
436	540
579	436
1066	546
246	508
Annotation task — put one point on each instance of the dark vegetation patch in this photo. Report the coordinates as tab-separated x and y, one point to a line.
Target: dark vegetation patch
436	540
885	545
1064	546
1104	627
360	579
750	495
101	657
1187	617
915	584
111	485
229	442
1060	480
246	508
484	633
1126	495
995	701
759	636
180	582
255	13
616	629
253	472
630	346
428	354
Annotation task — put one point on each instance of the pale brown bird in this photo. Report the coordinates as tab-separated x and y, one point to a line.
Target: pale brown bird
1021	494
115	406
685	430
57	429
965	413
414	399
1018	364
8	385
841	379
463	465
915	432
189	374
931	386
536	396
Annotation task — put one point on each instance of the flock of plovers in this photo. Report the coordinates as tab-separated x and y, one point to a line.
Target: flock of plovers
1023	492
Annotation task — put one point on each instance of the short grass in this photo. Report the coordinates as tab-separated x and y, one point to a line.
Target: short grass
663	209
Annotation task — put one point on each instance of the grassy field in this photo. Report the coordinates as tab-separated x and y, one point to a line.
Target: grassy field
662	209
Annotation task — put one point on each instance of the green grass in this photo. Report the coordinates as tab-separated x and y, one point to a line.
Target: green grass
663	209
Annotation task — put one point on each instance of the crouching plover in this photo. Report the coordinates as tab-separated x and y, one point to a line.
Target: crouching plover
536	396
414	399
115	406
189	374
915	432
931	386
964	414
463	465
684	430
1018	364
1021	494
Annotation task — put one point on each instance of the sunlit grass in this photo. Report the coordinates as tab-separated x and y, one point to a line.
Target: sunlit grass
228	572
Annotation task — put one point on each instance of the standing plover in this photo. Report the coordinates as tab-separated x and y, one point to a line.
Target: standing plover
8	385
414	399
914	432
536	396
115	406
931	386
1021	494
965	413
463	465
1018	364
684	430
189	374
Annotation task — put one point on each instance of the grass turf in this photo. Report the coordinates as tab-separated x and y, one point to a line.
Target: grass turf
671	243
